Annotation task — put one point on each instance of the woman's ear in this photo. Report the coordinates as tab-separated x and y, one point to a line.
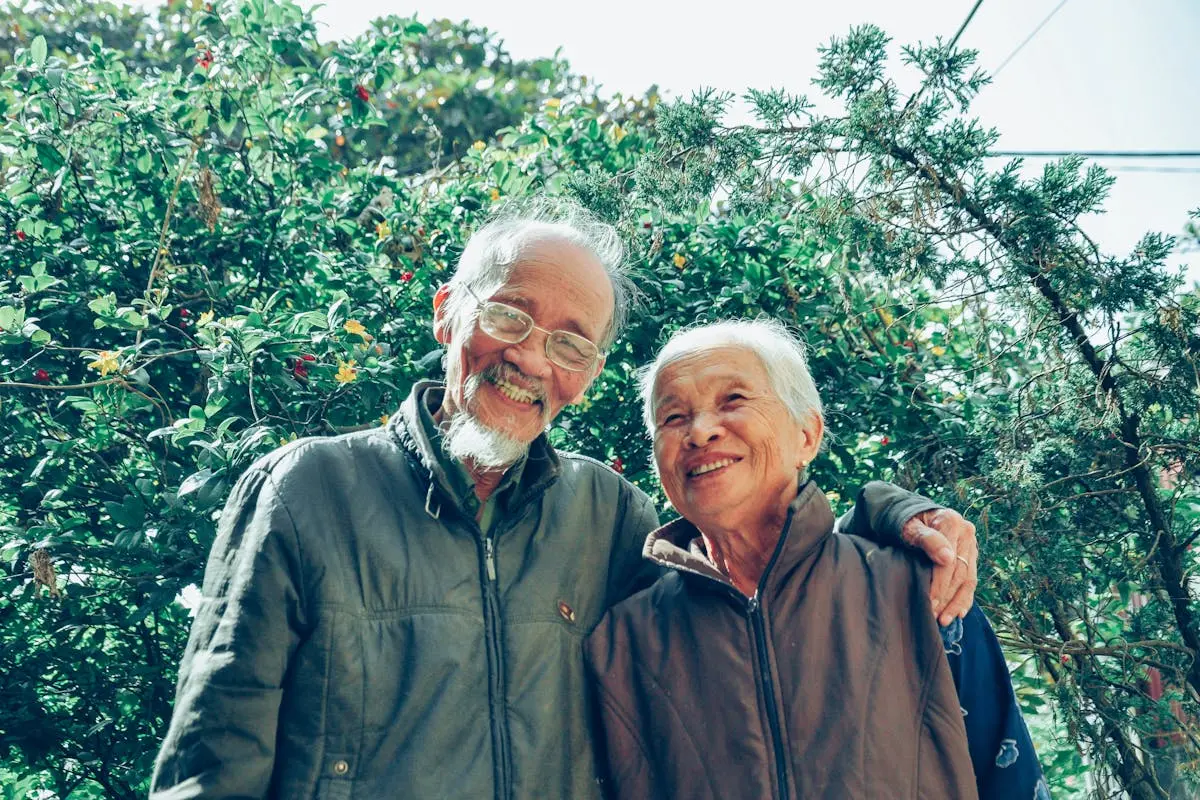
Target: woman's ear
811	433
441	323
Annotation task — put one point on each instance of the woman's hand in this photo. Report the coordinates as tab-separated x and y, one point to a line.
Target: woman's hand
949	540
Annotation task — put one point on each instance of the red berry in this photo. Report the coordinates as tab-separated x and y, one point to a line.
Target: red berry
41	375
885	441
183	312
618	465
362	93
299	370
420	230
406	276
1066	659
20	236
308	357
647	225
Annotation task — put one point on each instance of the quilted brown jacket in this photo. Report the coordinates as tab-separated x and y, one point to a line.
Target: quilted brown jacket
831	682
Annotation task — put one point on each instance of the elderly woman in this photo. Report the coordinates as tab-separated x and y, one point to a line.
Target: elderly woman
777	657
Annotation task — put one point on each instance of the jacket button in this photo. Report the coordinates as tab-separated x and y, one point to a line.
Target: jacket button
566	612
340	767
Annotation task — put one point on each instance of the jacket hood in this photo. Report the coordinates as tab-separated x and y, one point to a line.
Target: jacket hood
679	545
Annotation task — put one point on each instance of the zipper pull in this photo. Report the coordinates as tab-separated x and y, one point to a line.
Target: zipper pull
752	606
489	557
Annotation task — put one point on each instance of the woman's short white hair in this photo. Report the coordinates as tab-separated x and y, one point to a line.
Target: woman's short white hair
492	251
780	351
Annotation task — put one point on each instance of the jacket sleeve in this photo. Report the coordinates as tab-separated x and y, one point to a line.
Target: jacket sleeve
880	511
221	740
628	571
1001	749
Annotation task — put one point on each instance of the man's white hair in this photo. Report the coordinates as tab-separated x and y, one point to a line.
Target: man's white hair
492	251
780	351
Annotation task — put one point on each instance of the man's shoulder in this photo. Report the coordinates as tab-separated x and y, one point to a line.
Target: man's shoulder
314	457
578	467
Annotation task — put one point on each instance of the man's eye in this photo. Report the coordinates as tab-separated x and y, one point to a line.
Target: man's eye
733	398
671	419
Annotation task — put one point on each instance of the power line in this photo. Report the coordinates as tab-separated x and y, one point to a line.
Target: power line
967	22
1095	153
1156	170
1027	39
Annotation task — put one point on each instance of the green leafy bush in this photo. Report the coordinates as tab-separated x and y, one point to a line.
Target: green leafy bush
219	234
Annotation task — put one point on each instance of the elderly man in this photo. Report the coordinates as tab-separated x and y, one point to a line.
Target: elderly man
399	612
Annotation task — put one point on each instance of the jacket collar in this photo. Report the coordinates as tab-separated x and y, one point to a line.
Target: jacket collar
678	544
539	469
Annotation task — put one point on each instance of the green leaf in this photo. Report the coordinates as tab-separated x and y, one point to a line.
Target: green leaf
37	50
49	157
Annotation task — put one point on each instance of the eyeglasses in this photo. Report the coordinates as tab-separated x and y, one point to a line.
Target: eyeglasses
512	325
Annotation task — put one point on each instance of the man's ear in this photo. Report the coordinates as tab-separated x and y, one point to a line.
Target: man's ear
577	399
441	324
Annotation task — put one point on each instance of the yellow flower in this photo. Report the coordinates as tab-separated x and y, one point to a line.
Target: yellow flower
346	372
553	102
479	147
105	362
356	328
680	260
384	420
205	318
886	316
382	230
618	133
495	194
938	350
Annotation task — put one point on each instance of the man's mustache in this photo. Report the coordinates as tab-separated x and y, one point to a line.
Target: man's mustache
510	374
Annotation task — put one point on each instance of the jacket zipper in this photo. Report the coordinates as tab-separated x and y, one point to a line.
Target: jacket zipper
496	681
754	611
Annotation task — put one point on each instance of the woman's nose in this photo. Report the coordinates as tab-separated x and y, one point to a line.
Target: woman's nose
705	428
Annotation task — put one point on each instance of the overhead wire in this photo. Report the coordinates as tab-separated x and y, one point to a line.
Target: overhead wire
1027	39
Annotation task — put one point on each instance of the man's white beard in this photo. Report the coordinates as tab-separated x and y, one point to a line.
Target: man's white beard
469	440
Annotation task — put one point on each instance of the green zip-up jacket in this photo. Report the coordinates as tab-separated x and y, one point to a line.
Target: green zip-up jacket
360	637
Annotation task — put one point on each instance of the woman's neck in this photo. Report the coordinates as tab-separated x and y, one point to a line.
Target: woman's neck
743	554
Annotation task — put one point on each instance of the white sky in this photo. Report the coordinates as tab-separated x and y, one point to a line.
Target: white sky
1101	75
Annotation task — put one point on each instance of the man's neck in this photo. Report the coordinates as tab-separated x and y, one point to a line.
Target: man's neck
486	480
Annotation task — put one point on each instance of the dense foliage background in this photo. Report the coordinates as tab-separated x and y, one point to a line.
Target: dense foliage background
219	234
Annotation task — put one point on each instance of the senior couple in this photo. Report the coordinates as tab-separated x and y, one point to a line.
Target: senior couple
448	607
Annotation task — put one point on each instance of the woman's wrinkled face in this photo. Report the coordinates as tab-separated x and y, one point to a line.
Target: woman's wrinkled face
726	447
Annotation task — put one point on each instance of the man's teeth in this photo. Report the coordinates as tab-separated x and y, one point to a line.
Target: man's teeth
724	462
513	392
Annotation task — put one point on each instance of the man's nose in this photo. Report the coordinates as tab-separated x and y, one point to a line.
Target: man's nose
529	355
706	427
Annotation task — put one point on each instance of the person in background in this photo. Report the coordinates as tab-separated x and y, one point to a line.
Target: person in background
777	657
